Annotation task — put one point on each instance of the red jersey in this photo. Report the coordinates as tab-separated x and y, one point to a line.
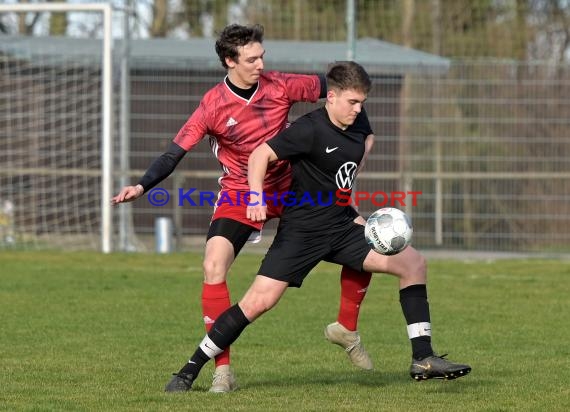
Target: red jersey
237	126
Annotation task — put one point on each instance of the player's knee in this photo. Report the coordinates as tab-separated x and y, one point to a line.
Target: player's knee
255	307
252	310
214	272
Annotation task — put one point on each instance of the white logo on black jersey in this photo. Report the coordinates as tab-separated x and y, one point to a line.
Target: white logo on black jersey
330	150
231	122
345	175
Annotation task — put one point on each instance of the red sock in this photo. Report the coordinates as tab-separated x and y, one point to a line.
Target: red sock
215	301
353	286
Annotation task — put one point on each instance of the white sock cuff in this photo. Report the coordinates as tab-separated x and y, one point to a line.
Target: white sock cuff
209	348
419	329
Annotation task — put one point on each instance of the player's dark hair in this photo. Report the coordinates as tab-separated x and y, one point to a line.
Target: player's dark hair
234	36
345	75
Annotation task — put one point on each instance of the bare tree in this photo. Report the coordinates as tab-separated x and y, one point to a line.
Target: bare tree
25	27
159	26
58	21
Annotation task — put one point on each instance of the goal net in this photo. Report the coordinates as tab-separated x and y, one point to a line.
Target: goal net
53	171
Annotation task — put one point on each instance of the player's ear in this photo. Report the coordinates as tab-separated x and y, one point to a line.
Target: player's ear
230	62
331	94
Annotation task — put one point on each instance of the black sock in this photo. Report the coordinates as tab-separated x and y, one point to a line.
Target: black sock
228	327
195	364
224	332
415	307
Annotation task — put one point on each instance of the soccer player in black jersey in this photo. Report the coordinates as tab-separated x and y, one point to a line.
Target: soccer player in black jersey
324	148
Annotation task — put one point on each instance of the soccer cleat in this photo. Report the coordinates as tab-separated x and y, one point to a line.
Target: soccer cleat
350	341
437	367
224	380
180	382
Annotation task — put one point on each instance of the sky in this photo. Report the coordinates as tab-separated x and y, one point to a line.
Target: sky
85	24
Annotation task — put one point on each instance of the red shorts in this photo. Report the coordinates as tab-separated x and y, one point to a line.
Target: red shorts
232	204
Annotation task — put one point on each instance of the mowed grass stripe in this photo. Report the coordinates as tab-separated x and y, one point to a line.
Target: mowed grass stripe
85	331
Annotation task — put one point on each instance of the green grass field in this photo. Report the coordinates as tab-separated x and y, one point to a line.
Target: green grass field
92	332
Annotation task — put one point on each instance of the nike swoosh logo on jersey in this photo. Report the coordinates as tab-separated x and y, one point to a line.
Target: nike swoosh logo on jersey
332	149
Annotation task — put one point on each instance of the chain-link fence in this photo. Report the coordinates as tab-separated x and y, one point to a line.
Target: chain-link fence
484	147
480	136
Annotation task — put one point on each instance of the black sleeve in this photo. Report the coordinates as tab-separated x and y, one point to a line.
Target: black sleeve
295	140
162	167
323	81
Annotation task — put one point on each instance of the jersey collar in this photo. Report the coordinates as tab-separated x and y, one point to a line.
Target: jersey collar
244	94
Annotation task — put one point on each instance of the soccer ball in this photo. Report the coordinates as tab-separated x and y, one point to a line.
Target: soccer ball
388	231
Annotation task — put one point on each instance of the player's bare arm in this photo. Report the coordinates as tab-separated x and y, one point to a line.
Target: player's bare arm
257	168
368	143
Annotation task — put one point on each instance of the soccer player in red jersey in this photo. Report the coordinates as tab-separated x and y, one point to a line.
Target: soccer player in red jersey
240	113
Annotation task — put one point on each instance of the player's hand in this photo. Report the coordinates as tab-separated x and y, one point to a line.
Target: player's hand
256	208
128	194
257	213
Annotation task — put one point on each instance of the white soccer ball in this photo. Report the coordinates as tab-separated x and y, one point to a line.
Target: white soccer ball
388	231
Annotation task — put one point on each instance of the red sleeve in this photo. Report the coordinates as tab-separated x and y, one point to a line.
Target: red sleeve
193	130
301	87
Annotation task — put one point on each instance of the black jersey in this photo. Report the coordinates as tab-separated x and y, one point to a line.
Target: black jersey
324	159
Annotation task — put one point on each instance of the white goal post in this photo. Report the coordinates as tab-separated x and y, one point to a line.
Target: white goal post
106	143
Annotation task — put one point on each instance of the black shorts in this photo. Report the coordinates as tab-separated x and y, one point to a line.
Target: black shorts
295	252
236	232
